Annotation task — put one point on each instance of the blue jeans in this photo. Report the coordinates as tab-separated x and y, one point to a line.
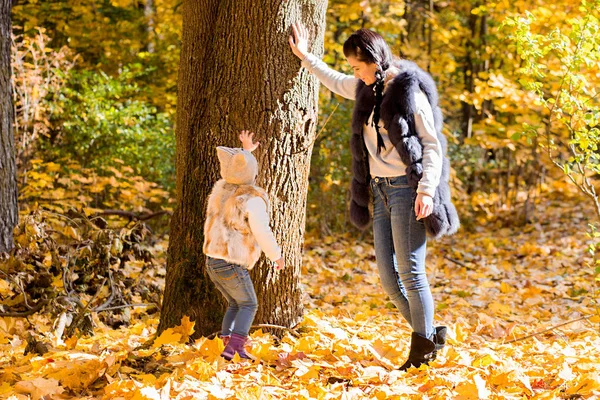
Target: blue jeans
233	281
400	247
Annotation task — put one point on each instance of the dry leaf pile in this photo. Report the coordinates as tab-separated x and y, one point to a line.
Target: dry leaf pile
492	288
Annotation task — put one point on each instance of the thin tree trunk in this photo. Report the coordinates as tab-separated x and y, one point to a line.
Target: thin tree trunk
149	14
8	178
470	72
237	72
430	35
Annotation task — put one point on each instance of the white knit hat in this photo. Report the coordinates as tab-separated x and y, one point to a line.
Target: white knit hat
238	166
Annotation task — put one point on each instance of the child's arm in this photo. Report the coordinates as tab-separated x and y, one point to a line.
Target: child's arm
259	225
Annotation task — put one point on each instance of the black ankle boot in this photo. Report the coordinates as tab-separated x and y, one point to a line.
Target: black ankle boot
422	351
439	338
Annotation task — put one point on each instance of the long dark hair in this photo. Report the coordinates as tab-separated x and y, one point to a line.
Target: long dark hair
369	47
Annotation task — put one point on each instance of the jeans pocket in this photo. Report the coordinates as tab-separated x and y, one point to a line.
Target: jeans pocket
227	275
398	182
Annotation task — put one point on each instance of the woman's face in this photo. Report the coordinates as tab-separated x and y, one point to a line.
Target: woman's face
362	70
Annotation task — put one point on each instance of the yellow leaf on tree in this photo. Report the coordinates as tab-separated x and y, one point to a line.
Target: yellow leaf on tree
71	232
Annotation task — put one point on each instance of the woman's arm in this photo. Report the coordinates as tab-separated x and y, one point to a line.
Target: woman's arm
432	149
338	83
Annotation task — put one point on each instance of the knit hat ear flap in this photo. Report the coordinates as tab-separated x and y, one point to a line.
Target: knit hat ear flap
238	166
239	162
224	154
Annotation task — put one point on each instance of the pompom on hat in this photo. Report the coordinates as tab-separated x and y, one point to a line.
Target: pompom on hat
238	166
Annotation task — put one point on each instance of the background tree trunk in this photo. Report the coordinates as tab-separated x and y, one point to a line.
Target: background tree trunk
8	180
237	72
149	15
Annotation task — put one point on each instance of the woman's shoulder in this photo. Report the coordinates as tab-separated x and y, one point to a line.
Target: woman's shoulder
414	80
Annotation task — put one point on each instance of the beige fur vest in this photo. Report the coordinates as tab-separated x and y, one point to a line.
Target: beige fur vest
227	234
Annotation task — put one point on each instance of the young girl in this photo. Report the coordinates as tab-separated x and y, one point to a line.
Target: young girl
235	233
399	167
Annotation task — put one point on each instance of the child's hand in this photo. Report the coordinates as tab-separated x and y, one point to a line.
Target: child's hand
280	264
247	139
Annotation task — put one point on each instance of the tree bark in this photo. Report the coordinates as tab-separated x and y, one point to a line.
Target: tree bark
237	72
8	178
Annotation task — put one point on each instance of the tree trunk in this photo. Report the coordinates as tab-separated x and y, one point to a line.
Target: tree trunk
237	72
8	179
149	15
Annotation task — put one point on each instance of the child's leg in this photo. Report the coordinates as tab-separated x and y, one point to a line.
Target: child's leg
221	273
245	297
231	312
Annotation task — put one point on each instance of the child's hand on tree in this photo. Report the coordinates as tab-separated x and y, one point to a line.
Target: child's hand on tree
247	139
280	264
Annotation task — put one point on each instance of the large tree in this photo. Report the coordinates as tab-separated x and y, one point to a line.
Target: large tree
237	72
8	180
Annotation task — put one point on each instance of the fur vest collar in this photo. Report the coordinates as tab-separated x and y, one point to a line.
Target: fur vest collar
227	233
397	115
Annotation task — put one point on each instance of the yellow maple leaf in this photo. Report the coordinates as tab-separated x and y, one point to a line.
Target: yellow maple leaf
39	387
186	328
77	374
71	342
5	388
168	336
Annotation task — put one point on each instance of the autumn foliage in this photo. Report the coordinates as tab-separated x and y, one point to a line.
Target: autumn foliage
80	295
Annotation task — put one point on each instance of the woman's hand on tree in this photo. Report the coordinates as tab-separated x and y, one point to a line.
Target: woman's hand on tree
423	205
299	40
247	139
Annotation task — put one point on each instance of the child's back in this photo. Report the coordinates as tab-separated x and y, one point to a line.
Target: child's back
235	232
237	217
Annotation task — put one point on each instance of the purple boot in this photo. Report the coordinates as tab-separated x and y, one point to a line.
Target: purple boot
225	339
236	345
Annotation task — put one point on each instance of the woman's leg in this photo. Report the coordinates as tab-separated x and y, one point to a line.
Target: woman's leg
384	250
410	245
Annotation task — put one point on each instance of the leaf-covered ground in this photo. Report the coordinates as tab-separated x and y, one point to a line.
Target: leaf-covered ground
493	288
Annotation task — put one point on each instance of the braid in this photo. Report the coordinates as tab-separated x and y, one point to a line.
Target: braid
378	89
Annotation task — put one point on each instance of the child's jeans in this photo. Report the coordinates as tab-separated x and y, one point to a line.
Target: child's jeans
234	282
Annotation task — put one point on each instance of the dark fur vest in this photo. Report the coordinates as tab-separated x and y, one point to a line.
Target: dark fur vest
397	115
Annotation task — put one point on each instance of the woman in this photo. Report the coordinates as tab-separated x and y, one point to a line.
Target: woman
398	151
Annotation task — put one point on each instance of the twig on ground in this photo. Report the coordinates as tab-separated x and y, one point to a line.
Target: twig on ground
292	331
112	293
130	215
462	264
549	329
128	305
31	311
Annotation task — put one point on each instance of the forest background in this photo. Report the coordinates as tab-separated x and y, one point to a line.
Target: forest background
95	101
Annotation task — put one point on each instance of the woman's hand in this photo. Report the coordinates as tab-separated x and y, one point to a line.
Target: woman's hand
247	139
423	205
299	40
